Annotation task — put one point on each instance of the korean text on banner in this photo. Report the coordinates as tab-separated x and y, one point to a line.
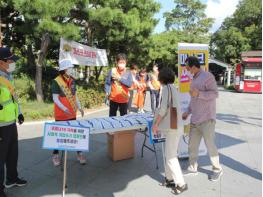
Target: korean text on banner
184	51
81	54
65	137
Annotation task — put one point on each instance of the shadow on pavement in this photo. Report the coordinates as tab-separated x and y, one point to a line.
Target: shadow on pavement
234	119
99	177
224	141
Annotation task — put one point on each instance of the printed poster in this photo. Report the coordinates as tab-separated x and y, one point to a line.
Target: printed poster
201	51
68	138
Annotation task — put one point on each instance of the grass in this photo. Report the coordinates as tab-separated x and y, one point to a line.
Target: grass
33	110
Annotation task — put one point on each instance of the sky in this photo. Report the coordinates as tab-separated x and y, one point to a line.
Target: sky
217	9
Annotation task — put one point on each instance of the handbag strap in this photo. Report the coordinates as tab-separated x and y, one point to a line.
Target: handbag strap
170	97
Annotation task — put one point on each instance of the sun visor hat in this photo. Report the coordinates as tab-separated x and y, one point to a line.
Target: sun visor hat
6	54
65	64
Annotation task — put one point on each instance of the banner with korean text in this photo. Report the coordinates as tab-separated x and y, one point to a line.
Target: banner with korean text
68	138
201	51
80	54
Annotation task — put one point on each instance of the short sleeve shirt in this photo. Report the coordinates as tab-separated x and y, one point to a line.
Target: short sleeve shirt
57	90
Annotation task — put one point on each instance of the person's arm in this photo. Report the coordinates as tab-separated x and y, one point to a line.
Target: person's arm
149	82
211	91
187	112
79	106
126	79
78	103
107	86
58	103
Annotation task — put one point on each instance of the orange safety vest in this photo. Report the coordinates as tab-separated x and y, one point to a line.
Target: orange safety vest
119	92
140	96
155	83
133	87
60	114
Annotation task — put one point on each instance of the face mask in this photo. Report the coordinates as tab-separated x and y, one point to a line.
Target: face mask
155	69
189	74
121	66
70	72
11	67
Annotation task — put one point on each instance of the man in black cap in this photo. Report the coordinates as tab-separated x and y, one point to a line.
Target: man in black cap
9	113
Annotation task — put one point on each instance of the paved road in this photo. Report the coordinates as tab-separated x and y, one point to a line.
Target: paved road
239	138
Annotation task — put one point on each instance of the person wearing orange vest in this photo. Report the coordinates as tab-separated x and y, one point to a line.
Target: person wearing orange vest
141	88
66	102
133	88
154	86
9	113
117	84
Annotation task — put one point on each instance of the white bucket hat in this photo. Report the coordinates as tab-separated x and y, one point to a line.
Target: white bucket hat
65	64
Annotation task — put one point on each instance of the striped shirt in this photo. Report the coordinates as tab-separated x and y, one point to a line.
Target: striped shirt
203	107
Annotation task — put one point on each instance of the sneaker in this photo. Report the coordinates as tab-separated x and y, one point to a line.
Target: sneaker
81	158
190	173
56	160
215	176
19	182
178	190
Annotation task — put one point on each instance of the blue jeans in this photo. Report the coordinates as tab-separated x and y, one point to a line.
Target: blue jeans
155	95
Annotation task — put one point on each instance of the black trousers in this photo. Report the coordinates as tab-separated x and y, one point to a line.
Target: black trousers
155	95
130	100
123	107
8	154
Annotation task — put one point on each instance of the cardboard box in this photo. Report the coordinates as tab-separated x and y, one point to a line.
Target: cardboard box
121	145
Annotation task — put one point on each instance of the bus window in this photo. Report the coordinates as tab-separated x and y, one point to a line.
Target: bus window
253	73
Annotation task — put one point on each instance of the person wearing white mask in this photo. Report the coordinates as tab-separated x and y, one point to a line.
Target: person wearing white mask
9	113
66	102
117	84
154	86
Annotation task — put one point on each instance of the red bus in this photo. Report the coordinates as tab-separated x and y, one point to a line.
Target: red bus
248	75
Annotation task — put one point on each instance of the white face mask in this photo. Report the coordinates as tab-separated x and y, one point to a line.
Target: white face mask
70	72
121	66
11	67
189	74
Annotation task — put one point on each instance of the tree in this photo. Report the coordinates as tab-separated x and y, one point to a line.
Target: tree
233	43
41	22
123	26
240	32
187	22
188	16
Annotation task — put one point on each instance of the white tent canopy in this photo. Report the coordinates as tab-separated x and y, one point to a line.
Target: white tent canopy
225	65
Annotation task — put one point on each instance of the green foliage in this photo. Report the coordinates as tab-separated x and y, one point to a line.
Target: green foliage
24	89
91	96
42	111
187	22
188	16
231	87
123	26
241	32
231	43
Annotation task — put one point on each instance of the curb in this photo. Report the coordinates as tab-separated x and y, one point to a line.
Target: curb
78	116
